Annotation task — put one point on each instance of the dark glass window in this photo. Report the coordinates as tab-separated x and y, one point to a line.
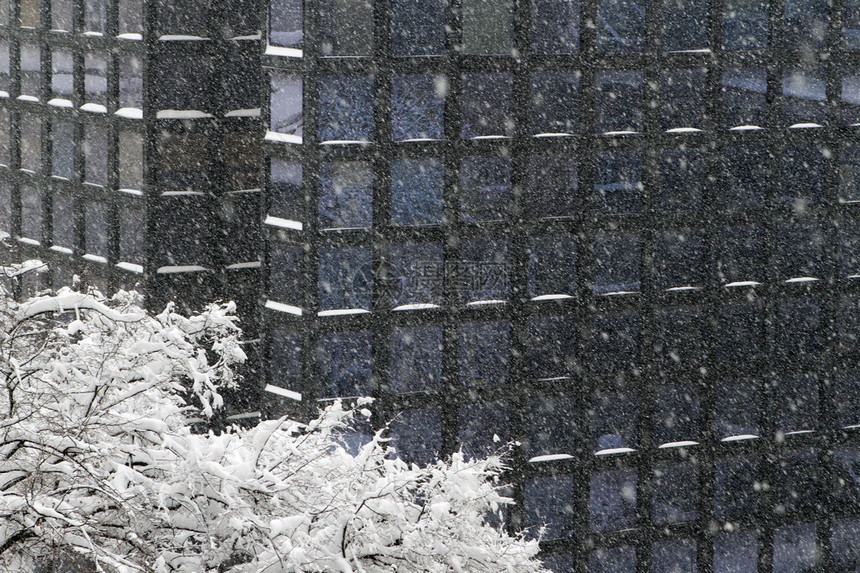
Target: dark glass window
744	94
616	263
63	220
346	109
182	161
804	174
416	434
681	180
345	195
738	408
5	139
4	68
346	27
741	255
344	361
62	149
286	195
182	17
483	428
612	500
679	261
286	104
745	25
418	107
483	355
845	545
619	102
551	347
618	182
674	556
485	189
416	275
846	402
345	278
682	99
736	486
851	24
31	71
849	174
95	155
736	552
416	191
555	103
620	26
798	321
131	234
486	105
805	25
416	358
183	232
741	328
795	548
745	177
31	213
95	16
482	272
285	23
614	420
130	82
612	560
847	324
846	485
61	15
552	185
95	78
4	12
62	76
183	82
794	487
31	143
285	355
96	228
615	340
799	250
676	493
242	153
850	104
5	208
555	27
684	25
549	502
550	426
488	27
286	264
130	17
418	27
552	265
29	13
130	160
677	414
795	407
804	97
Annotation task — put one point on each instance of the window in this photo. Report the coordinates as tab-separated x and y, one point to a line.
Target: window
418	27
345	278
486	105
736	489
684	25
614	421
616	263
62	74
553	181
95	80
31	143
485	189
618	182
181	18
549	500
344	360
5	140
286	105
346	27
555	27
552	266
619	101
554	103
286	264
182	161
416	275
345	195
550	426
483	354
738	408
621	27
675	494
285	23
737	551
5	86
482	428
682	99
744	92
31	71
346	109
130	19
481	276
63	149
241	157
95	16
5	208
488	27
677	415
416	191
745	25
286	193
96	155
612	501
679	260
183	80
130	83
28	13
615	341
418	107
416	359
130	160
804	98
31	213
285	354
795	548
131	233
681	180
61	15
416	434
96	229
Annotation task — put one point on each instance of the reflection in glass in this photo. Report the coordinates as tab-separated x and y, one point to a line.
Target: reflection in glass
130	17
5	137
482	272
684	25
286	104
62	149
62	73
745	25
31	213
620	26
488	27
346	27
845	544
804	96
344	361
681	179
345	195
851	24
96	228
416	274
286	264
285	23
744	94
552	265
612	560
614	420
131	234
130	82
418	107
612	500
554	103
682	99
483	428
736	486
30	143
416	434
483	354
679	261
346	108
738	408
805	25
416	191
555	27
850	103
286	195
735	552
63	220
794	483
416	358
485	189
5	208
550	425
551	347
345	278
795	548
616	263
95	78
745	177
29	12
549	502
417	27
95	16
618	182
95	155
5	86
676	493
675	556
31	72
677	415
486	105
615	341
552	184
619	101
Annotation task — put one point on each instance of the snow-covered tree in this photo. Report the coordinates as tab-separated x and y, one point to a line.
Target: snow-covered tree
98	463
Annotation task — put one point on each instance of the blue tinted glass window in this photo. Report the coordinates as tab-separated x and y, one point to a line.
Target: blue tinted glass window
794	487
95	78
285	273
619	101
30	142
345	278
681	179
845	544
744	93
847	324
612	560
286	104
851	24
285	23
552	184
741	255
736	553
131	234
795	549
417	274
418	107
741	328
483	356
346	27
550	425
795	406
96	155
618	182
682	99
551	347
805	24
804	174
95	15
555	26
485	189
679	259
96	228
559	563
5	208
345	195
416	358
677	415
344	360
620	26
486	105
674	556
285	358
4	66
799	250
679	338
417	27
615	340
130	81
845	488
62	78
846	397
798	322
63	218
736	488
346	108
676	494
614	420
555	103
482	272
488	27
745	25
745	177
738	408
684	25
416	191
850	92
804	96
616	263
30	69
549	502
62	149
552	265
286	195
483	428
417	435
612	500
849	174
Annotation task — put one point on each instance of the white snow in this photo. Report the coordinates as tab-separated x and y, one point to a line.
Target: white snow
283	137
621	132
740	437
59	249
245	265
550	458
551	297
283	392
490	137
130	36
486	302
131	267
683	288
342	141
611	451
281	307
181	114
283	52
134	192
180	37
173	269
95	258
742	284
4	94
683	130
283	223
61	102
559	134
745	128
343	312
28	241
681	444
27	98
416	306
802	280
805	126
129	112
94	108
250	112
184	193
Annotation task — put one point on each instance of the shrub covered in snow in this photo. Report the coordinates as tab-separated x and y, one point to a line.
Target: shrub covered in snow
98	462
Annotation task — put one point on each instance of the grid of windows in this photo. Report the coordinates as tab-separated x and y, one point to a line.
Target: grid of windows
622	233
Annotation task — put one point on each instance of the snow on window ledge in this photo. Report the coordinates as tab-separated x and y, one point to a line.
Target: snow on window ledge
559	134
801	280
283	223
620	132
94	108
257	36
27	98
742	284
95	258
416	306
134	192
613	451
250	112
745	128
486	302
129	112
281	307
181	37
61	102
684	130
283	52
343	312
175	269
551	297
183	193
130	267
550	458
244	265
59	249
805	125
28	241
181	114
740	438
681	444
130	36
283	392
4	94
345	142
283	137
